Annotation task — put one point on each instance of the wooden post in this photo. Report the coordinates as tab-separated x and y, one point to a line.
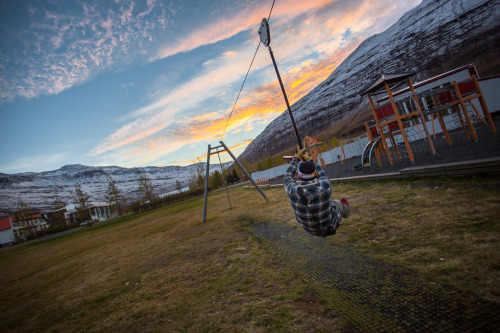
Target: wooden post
342	154
443	125
481	118
417	103
314	151
400	123
380	131
464	109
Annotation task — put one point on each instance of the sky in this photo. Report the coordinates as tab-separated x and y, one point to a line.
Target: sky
152	83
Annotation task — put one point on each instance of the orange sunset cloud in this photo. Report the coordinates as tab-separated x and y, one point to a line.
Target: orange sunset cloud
209	127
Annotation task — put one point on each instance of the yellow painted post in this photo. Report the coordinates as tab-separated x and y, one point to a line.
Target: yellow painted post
464	109
400	123
380	131
417	103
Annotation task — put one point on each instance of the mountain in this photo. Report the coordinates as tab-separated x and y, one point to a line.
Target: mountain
434	37
40	189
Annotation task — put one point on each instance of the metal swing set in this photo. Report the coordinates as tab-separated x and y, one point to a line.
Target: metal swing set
217	150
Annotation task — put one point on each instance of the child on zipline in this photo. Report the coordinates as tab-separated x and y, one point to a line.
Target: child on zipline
310	196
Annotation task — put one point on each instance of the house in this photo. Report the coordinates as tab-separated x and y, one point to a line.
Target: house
102	211
6	231
99	211
29	227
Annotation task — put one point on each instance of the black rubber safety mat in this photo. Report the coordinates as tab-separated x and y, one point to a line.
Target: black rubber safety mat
375	296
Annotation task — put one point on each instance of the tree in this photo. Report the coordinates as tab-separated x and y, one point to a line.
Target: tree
57	217
235	176
217	180
23	210
178	186
82	204
58	204
229	176
278	160
335	142
145	187
268	164
197	177
113	195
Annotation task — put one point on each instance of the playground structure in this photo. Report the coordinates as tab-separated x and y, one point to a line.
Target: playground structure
439	118
390	119
409	109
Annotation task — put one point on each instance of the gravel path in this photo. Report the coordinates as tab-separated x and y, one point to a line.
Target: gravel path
372	295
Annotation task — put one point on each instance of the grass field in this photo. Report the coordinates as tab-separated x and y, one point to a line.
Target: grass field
166	271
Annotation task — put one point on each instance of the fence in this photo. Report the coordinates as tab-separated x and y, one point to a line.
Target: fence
332	156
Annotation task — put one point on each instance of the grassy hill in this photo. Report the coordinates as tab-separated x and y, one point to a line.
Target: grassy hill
167	271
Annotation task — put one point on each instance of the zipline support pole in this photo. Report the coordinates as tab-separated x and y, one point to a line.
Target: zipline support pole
265	38
286	99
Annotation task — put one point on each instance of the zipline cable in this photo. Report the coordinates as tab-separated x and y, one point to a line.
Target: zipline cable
251	63
227	123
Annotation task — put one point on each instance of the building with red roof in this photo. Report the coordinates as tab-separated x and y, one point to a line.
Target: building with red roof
29	227
6	231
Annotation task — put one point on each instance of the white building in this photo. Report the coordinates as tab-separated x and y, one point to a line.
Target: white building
29	227
99	211
6	231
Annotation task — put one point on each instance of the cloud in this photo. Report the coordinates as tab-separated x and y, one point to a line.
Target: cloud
259	103
219	73
232	148
25	164
230	25
68	45
309	41
262	103
204	128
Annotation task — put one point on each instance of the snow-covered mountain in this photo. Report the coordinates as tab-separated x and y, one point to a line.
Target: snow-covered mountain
40	189
432	38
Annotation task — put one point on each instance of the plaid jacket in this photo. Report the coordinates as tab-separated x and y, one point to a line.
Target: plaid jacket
317	192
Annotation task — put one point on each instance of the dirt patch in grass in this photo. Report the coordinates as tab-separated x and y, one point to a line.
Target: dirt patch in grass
371	294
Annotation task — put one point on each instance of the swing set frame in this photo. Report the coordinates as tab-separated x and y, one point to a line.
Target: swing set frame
217	150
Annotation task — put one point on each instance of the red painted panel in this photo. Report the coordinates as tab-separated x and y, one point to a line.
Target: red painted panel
384	111
393	127
467	87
